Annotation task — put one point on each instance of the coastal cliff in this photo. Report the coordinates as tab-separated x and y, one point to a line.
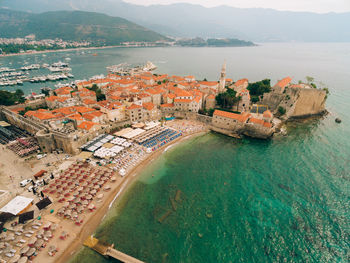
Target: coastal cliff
298	101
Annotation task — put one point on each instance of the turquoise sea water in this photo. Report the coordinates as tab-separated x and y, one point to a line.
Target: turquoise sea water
282	200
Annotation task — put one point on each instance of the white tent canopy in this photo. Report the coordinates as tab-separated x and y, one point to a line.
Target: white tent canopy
133	133
16	205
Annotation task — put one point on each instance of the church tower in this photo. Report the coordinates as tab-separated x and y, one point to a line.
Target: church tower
222	78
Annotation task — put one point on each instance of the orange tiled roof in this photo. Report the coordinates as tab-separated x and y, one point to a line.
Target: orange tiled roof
240	82
197	99
86	125
267	114
82	109
167	105
30	113
18	109
284	82
182	93
89	116
65	110
76	116
134	106
148	105
208	83
243	117
41	115
89	101
267	124
45	116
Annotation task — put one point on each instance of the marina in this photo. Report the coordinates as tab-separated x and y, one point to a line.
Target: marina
124	69
14	77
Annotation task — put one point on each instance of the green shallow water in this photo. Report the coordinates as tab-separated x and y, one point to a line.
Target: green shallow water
242	201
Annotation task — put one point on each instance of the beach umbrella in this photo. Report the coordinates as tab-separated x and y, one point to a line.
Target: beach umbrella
63	235
89	197
24	250
22	260
47	225
39	243
85	202
93	192
68	212
100	196
107	187
74	215
40	233
91	206
80	189
30	252
32	241
15	259
52	248
96	187
48	234
10	237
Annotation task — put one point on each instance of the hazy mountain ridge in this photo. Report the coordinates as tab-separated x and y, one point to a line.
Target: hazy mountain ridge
74	25
187	20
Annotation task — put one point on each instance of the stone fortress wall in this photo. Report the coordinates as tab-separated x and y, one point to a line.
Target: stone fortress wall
50	140
298	102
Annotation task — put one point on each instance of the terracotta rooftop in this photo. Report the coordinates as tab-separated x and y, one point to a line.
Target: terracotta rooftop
240	82
167	105
86	125
148	105
284	82
243	117
267	114
134	106
82	109
208	83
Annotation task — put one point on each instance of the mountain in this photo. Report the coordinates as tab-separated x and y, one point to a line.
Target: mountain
74	25
187	20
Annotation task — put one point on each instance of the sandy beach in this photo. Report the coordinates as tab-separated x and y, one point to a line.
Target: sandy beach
91	224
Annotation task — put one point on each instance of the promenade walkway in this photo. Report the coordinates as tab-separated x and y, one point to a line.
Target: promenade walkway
109	250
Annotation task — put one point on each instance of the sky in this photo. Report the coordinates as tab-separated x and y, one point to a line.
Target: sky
318	6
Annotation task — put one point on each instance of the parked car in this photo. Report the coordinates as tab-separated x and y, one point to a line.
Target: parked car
30	188
40	156
39	183
25	182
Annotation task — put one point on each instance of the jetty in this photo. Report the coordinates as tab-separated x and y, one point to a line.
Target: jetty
109	250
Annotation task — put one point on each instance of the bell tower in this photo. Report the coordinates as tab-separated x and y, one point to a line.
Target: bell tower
222	78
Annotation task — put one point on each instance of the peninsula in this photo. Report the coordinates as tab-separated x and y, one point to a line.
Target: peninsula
75	149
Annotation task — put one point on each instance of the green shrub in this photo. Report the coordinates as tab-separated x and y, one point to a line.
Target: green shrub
281	110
